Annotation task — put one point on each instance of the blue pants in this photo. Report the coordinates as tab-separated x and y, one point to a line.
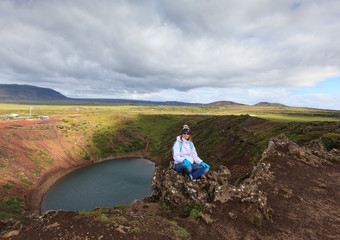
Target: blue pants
195	170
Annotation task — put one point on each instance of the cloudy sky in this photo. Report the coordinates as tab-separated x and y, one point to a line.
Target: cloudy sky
201	51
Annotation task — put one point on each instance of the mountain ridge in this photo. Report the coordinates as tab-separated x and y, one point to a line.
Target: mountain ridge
29	94
15	93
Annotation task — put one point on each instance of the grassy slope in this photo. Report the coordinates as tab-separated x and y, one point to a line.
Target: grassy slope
220	139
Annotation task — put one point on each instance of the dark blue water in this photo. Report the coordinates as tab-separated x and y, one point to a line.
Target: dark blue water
104	184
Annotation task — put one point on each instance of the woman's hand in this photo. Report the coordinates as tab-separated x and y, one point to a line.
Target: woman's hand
187	163
205	165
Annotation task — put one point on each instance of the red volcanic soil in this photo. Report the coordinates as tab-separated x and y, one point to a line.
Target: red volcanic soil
20	143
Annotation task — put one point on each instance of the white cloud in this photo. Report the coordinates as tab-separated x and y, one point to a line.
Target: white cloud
133	48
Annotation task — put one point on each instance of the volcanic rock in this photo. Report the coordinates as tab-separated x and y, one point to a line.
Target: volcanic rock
172	188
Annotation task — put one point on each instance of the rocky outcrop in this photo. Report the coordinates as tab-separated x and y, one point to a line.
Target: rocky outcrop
314	156
174	189
319	150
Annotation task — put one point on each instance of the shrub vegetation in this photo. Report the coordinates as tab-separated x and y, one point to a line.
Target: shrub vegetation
331	140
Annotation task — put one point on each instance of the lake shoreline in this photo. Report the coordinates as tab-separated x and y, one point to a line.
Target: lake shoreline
33	198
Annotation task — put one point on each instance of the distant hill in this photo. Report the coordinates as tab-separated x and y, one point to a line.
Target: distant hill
222	103
15	92
27	94
267	104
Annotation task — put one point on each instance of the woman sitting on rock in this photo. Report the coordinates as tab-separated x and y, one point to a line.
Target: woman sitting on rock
186	158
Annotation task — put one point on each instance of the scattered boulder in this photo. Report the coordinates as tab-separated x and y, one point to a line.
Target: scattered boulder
232	215
123	229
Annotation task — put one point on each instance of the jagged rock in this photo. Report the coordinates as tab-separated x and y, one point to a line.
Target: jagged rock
205	217
171	188
54	225
34	216
319	150
283	147
11	234
232	215
123	229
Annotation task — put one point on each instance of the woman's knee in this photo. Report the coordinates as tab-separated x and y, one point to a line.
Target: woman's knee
188	169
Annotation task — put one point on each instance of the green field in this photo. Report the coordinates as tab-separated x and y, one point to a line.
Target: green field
267	112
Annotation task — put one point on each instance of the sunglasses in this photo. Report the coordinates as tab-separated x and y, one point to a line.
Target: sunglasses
186	133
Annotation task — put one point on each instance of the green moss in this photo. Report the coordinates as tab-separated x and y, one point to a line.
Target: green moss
192	210
257	220
11	182
36	160
45	156
65	120
119	219
103	218
11	204
165	206
121	206
178	231
7	185
25	180
135	230
35	171
84	213
85	157
6	215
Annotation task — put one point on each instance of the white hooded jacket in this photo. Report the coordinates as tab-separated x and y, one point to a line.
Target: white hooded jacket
186	152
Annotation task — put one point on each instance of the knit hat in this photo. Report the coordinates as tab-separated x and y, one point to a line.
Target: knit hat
186	129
